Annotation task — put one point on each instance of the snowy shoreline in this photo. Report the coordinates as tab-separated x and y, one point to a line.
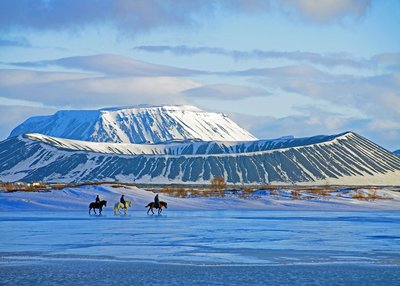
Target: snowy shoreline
78	198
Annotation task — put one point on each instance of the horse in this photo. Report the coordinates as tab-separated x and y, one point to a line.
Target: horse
118	206
152	206
99	206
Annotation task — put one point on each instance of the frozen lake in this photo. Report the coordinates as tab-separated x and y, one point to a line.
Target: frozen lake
201	248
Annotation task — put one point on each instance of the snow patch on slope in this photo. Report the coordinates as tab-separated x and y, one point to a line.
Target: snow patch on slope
185	148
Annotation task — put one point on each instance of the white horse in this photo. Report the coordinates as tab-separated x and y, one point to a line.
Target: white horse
118	206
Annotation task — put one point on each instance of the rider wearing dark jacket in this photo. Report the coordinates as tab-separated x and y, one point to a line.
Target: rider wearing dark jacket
122	200
156	201
97	199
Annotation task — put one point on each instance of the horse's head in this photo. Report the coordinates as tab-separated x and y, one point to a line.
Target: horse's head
104	203
129	203
166	205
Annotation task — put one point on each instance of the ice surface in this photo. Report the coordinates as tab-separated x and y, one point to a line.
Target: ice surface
49	238
200	248
128	273
205	237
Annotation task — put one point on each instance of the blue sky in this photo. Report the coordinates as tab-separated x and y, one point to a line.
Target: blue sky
278	67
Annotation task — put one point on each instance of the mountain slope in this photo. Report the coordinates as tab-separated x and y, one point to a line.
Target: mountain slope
183	148
145	124
343	159
397	152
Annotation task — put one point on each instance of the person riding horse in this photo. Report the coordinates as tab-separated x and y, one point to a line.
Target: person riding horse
122	201
97	201
156	201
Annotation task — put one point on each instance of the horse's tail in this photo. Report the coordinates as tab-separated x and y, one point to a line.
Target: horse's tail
148	205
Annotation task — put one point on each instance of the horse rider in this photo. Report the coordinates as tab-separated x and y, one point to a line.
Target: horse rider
122	201
97	199
156	201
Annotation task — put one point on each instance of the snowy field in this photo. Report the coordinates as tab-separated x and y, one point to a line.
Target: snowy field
50	239
78	199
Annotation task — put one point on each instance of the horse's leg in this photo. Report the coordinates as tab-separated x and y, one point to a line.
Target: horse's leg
90	210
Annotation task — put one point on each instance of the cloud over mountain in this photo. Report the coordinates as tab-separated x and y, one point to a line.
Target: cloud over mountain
386	61
133	17
225	92
111	80
90	90
112	65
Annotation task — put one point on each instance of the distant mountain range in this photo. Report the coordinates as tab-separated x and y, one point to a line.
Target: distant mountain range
183	144
397	152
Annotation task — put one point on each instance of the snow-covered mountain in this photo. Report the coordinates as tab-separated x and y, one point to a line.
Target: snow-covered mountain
172	144
141	124
179	148
345	158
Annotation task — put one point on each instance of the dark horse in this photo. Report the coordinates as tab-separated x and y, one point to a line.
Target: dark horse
99	206
152	206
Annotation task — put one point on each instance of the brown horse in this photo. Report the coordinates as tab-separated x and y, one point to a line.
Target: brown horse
99	206
152	206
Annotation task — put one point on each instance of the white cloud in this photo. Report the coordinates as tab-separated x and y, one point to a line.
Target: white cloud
11	116
139	16
388	61
382	132
80	90
14	77
111	65
384	124
373	95
325	11
225	92
376	98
